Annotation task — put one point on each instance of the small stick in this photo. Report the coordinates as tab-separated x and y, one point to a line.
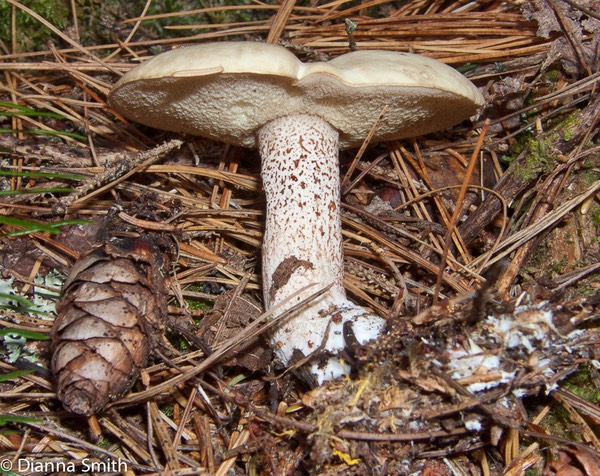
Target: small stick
350	27
457	209
114	174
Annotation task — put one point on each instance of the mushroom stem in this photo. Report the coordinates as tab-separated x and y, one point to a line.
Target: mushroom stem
303	243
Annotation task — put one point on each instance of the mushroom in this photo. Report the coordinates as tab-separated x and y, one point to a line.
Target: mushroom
299	115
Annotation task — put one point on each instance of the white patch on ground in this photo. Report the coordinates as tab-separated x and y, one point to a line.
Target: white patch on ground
528	329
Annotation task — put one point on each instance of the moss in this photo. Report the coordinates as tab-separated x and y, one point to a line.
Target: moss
541	153
99	20
158	28
178	341
197	305
532	472
558	423
559	266
569	126
596	216
552	75
104	443
589	174
587	393
537	160
31	35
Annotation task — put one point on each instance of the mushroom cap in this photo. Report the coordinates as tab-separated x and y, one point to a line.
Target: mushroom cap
227	91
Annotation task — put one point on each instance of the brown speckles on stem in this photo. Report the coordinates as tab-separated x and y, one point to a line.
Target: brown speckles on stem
302	248
337	318
284	272
301	179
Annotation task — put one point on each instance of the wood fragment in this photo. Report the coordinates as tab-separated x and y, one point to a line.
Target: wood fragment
514	182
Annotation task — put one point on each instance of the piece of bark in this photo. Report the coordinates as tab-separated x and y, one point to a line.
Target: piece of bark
230	315
521	174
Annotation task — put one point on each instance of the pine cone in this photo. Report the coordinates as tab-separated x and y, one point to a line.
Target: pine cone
111	316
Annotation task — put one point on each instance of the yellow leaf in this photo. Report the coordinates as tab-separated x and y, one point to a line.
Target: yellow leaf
345	457
289	433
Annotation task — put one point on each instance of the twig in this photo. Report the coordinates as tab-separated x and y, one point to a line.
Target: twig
235	344
457	210
114	174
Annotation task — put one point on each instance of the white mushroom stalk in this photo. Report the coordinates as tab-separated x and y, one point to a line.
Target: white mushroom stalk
303	243
299	115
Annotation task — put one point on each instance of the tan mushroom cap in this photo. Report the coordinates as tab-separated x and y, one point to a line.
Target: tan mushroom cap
227	91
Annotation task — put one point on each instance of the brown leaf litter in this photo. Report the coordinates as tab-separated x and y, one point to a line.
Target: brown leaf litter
487	276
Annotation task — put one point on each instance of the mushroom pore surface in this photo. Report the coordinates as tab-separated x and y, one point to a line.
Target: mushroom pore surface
228	91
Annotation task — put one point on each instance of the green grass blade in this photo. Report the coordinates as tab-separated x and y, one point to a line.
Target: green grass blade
14	375
33	227
33	335
20	300
44	132
49	175
36	190
9	473
31	114
4	419
26	111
